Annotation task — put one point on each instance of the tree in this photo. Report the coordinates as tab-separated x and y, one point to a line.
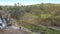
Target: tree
17	12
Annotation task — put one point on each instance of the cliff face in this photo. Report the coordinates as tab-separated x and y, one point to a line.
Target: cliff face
5	14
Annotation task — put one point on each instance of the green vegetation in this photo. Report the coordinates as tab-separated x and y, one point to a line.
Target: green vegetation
40	14
35	28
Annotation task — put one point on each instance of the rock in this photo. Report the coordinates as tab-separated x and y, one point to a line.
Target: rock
13	30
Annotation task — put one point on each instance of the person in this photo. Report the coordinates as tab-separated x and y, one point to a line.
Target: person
20	27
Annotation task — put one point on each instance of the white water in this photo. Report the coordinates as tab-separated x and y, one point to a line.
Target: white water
3	23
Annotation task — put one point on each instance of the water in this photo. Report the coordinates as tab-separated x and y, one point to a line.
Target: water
2	23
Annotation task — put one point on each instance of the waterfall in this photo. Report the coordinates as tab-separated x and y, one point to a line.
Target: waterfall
2	23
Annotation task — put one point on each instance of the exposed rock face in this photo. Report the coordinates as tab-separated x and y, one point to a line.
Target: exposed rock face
4	13
13	30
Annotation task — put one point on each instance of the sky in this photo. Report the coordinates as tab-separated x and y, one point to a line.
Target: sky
27	2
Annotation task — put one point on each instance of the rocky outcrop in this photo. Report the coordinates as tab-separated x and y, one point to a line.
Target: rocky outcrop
13	30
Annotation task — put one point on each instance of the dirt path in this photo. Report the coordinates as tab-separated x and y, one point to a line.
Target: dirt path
13	30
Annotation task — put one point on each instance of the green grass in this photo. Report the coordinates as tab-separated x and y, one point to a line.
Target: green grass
35	28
